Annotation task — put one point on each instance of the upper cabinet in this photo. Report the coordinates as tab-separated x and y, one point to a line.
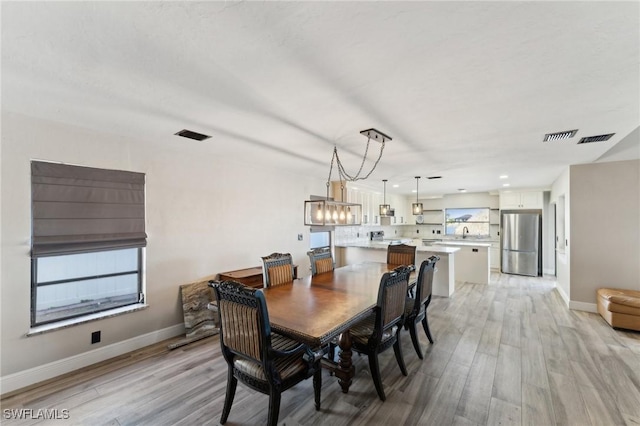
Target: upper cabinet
370	206
521	200
401	207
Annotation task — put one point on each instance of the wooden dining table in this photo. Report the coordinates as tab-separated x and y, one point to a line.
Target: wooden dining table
317	309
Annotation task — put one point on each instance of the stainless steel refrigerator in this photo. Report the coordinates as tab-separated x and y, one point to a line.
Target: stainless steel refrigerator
521	243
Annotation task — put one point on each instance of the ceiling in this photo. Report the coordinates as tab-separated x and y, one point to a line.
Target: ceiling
467	90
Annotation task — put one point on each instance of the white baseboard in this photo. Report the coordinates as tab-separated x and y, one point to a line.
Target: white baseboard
578	306
563	295
583	306
38	374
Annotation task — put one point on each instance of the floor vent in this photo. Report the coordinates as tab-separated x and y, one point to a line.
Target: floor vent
600	138
192	135
549	137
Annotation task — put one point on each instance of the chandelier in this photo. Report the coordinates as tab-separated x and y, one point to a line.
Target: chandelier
328	212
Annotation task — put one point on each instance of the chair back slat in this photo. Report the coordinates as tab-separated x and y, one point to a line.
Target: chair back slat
321	260
424	283
401	254
244	321
324	265
240	329
392	296
283	262
280	274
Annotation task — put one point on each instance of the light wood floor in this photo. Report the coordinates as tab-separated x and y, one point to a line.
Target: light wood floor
505	353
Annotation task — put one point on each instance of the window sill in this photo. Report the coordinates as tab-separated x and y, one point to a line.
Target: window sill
41	329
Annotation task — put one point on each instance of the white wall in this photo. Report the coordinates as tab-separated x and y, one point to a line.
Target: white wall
605	228
548	236
602	227
205	215
560	195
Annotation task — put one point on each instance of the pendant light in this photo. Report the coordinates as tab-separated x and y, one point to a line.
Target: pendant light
328	212
417	206
384	207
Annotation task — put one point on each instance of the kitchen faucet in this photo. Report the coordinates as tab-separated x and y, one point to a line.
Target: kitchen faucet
465	229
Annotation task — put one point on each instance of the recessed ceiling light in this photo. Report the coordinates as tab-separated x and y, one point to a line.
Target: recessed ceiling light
462	190
506	184
559	135
192	135
396	186
504	177
414	190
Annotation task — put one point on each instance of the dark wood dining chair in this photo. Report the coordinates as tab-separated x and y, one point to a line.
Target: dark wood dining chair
277	269
401	254
321	260
261	359
381	329
416	307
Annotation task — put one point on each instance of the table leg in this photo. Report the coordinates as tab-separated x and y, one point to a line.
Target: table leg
345	371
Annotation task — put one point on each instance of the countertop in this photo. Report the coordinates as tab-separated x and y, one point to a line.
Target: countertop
382	245
464	243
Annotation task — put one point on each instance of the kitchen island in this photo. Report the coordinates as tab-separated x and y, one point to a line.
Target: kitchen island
443	280
473	263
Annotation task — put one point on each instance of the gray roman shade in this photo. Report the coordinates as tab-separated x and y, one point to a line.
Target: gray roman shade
79	209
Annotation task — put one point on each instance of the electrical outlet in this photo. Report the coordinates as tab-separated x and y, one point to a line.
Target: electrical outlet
95	337
438	231
299	237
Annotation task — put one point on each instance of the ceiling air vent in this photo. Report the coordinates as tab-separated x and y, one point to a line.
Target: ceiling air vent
549	137
600	138
192	135
434	177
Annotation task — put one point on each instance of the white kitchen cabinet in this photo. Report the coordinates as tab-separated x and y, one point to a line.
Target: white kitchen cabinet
376	200
472	261
494	256
365	198
521	200
399	203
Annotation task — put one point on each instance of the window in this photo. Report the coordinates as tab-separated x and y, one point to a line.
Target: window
88	237
320	239
475	220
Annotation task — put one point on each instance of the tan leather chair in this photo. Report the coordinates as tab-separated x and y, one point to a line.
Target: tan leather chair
620	308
